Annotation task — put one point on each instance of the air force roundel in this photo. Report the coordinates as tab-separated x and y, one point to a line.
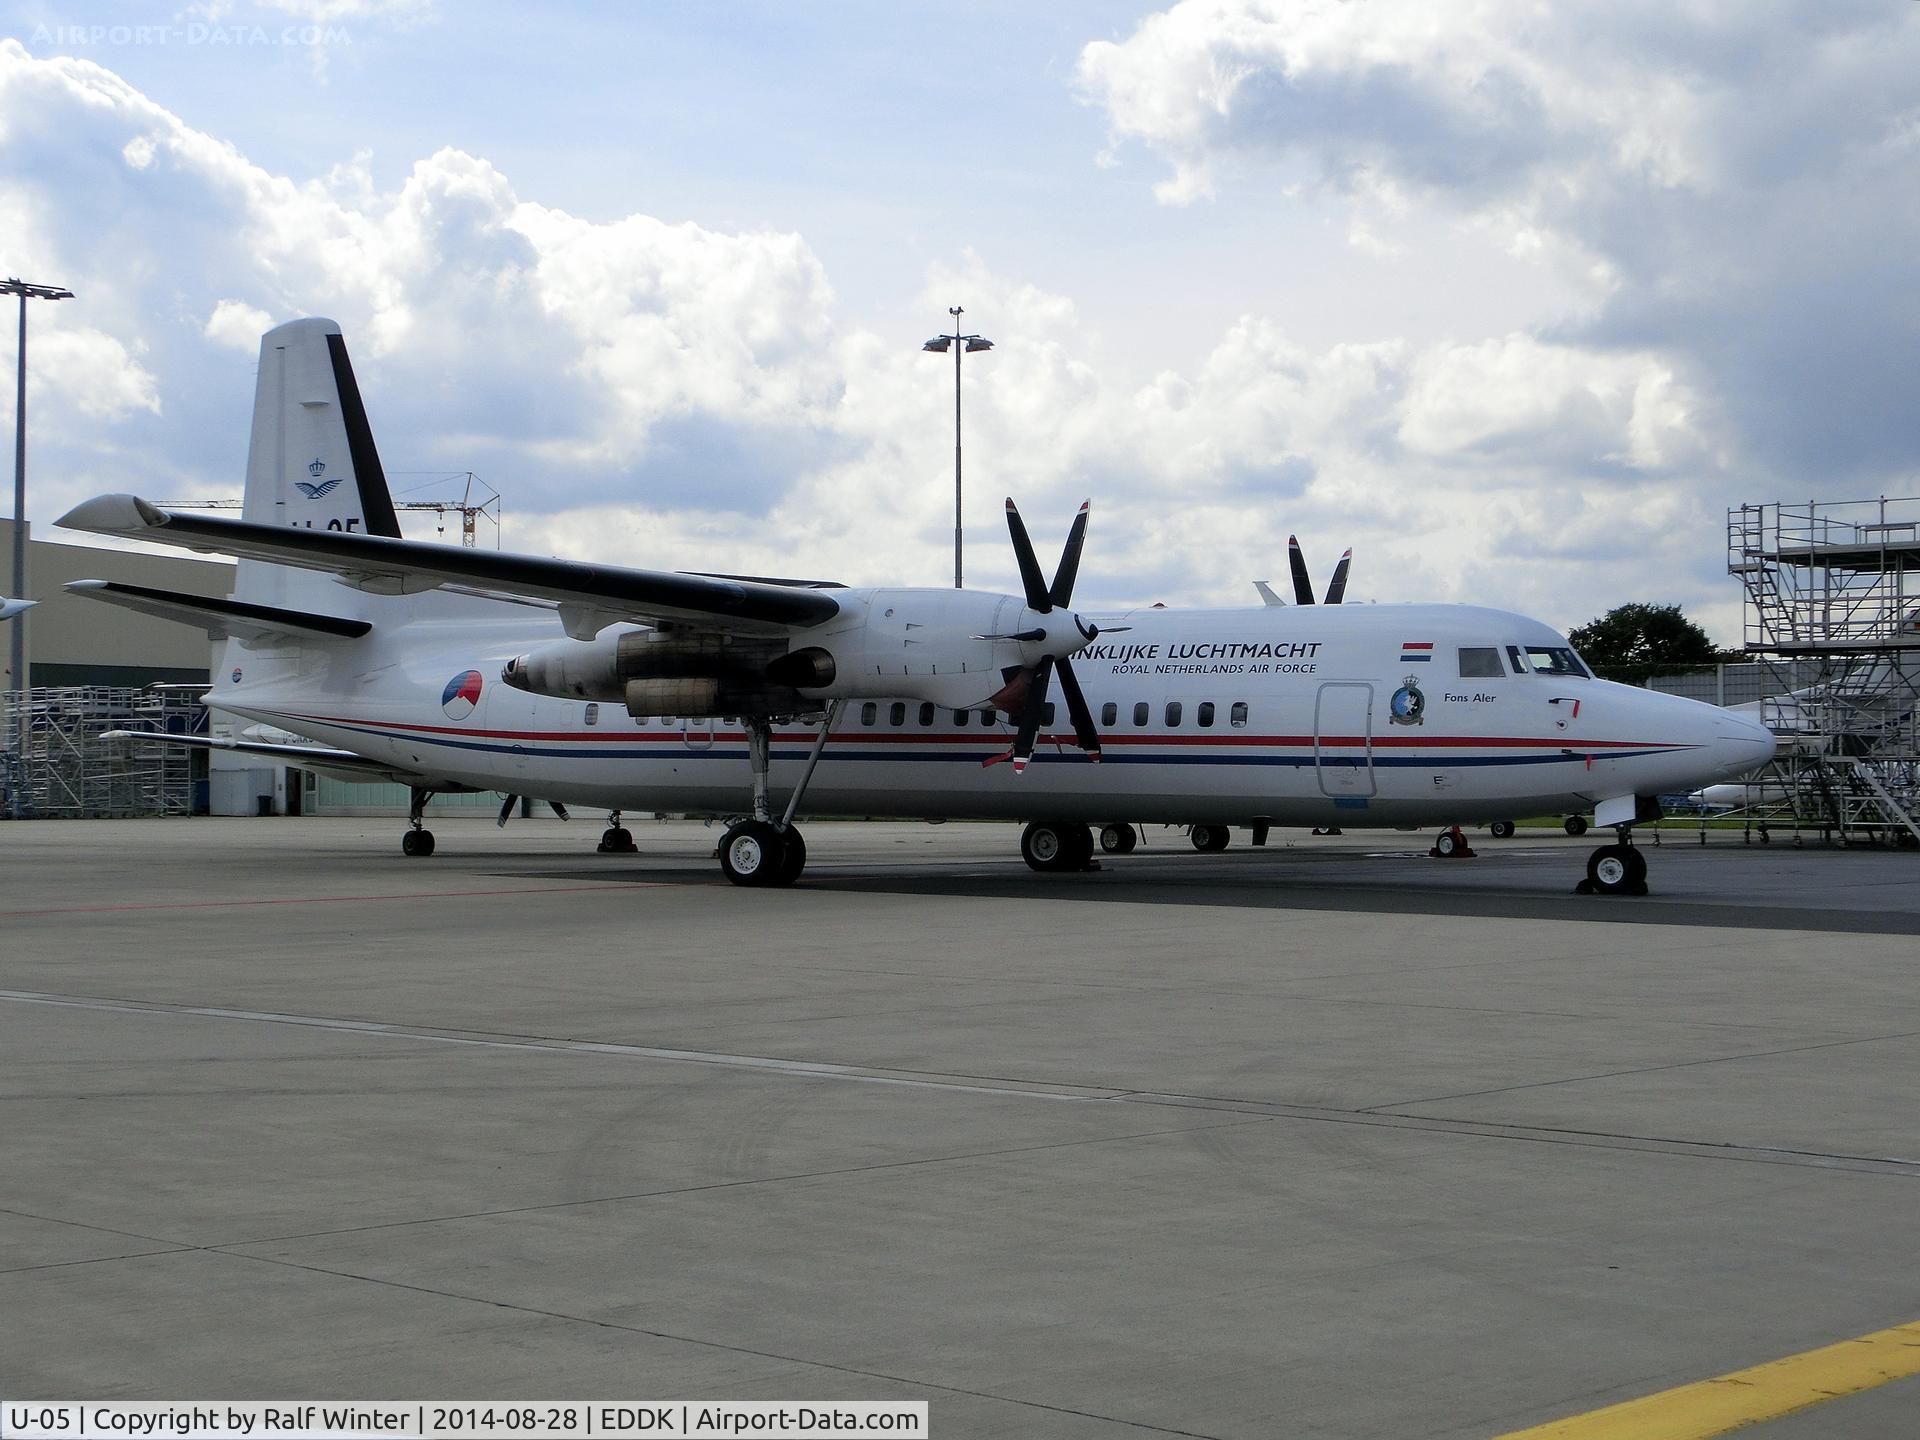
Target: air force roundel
461	695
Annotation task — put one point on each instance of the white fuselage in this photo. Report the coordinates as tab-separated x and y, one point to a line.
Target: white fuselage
1295	716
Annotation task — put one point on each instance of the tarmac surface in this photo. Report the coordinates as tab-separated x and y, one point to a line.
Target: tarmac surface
1324	1140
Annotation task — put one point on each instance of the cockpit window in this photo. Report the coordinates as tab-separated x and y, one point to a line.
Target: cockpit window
1479	661
1547	660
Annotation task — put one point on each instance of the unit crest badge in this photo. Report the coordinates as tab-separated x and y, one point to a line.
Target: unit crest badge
1408	706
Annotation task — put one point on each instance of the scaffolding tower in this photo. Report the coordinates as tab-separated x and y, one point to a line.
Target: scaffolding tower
1833	609
67	771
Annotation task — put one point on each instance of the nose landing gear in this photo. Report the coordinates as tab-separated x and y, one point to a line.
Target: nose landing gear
1618	869
616	839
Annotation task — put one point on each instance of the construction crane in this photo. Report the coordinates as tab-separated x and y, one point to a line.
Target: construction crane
477	498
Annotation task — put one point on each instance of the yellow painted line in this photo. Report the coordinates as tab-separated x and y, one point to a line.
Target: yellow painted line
1748	1397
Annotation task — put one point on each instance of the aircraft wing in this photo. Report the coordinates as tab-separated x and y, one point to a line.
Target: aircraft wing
321	759
590	596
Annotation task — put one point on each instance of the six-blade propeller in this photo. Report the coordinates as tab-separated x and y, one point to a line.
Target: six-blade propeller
1025	696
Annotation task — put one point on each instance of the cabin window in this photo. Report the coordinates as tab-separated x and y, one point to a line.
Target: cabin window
1173	714
593	714
1109	713
1479	662
1046	713
897	713
1140	712
1237	716
869	713
926	712
986	717
1205	716
960	718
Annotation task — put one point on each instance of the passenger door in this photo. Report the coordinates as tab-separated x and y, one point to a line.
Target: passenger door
1343	738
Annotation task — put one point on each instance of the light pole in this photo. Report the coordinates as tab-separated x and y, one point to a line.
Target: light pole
26	292
960	345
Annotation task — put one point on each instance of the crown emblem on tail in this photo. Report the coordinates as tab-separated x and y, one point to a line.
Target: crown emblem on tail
317	468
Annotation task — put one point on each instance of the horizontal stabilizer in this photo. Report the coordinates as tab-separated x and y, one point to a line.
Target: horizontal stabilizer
599	594
222	619
321	759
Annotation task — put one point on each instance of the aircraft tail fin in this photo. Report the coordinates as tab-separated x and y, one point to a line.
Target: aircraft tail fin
311	461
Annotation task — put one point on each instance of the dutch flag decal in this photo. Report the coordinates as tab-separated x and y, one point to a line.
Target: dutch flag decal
1414	651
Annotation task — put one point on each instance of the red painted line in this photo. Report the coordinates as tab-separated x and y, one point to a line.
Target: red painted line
906	735
336	899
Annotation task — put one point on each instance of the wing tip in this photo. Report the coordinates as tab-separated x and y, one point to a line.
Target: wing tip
113	515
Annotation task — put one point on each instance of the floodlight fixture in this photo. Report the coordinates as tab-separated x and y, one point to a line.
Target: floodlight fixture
960	345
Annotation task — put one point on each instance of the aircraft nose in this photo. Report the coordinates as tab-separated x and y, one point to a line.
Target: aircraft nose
1742	745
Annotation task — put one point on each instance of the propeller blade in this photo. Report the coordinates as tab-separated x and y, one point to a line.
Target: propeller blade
1337	587
1030	714
1302	585
1036	588
1029	636
1083	730
1063	578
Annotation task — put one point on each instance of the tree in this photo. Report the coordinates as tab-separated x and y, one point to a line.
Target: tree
1632	642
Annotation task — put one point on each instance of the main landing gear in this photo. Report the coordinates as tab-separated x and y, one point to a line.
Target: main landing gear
764	852
1051	846
1618	869
417	843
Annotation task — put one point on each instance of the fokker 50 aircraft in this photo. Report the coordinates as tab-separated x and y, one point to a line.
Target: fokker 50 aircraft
730	695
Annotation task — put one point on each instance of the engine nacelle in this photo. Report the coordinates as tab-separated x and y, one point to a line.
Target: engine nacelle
666	672
956	648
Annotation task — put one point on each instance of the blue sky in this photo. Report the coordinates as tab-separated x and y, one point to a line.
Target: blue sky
1515	298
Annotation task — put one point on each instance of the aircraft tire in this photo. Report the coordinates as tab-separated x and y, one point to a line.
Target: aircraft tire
793	859
1446	845
1576	825
752	853
1210	839
1501	829
417	844
1080	839
1611	870
1118	839
617	840
1051	846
